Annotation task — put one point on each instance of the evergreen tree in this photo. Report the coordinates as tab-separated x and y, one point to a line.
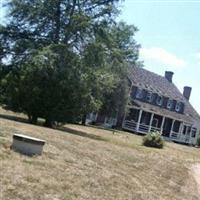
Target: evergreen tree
66	58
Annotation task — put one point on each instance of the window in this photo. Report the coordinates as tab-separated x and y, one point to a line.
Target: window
169	104
139	94
159	100
188	130
184	130
149	97
194	131
155	123
178	106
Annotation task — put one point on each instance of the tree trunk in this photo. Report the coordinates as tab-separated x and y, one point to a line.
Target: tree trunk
29	118
32	119
84	120
48	123
120	118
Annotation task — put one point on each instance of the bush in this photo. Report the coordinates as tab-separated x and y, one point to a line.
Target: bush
153	139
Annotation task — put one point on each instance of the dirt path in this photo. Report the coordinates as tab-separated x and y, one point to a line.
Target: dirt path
196	174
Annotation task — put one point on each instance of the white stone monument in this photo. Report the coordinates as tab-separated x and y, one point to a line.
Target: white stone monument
27	145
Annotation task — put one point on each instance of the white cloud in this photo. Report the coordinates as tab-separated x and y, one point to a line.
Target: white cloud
197	55
162	56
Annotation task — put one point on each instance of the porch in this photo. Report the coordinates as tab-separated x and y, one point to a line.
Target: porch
141	121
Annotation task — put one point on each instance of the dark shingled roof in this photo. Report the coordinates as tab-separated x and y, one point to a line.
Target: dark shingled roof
155	83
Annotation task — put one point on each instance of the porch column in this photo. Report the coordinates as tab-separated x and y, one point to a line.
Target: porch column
186	131
151	120
139	119
190	131
172	127
162	124
181	128
124	118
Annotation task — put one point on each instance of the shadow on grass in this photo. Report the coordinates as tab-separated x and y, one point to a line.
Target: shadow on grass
113	130
21	120
14	118
81	133
65	129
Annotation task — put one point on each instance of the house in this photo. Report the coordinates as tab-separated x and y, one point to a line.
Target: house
156	104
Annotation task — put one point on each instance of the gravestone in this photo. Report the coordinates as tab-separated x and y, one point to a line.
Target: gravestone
27	145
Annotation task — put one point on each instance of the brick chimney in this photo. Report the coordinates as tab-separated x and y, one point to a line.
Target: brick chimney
169	76
186	92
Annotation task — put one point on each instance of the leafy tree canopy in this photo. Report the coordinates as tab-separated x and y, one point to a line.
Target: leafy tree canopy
37	23
65	58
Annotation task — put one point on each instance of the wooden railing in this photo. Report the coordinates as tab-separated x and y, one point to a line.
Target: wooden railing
180	137
143	128
175	135
130	125
154	129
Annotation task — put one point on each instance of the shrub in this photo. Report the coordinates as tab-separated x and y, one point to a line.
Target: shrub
153	139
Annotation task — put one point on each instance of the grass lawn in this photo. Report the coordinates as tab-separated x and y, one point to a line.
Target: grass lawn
91	163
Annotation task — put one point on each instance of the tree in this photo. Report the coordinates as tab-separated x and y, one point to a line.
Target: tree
54	85
35	24
66	58
122	54
44	86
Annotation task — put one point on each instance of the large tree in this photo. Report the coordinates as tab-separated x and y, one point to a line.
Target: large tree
117	42
53	83
36	23
65	58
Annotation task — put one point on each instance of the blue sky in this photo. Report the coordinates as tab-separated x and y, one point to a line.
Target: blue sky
169	33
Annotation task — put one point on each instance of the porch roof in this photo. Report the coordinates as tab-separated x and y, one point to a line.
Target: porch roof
162	111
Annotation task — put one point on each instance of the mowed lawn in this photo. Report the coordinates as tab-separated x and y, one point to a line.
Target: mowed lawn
92	163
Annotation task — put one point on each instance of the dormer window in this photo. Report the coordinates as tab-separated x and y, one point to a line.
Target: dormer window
159	100
169	104
139	94
178	106
149	97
